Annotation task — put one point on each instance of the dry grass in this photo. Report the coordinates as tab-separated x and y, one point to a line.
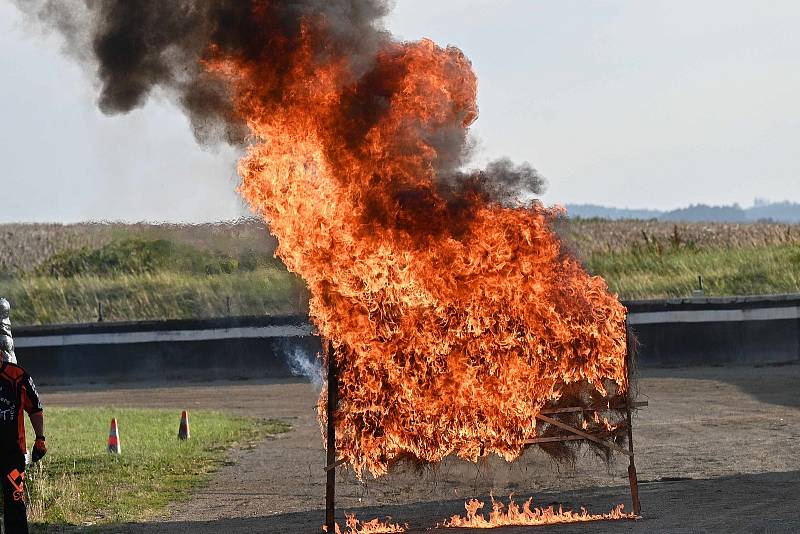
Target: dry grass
638	259
170	292
652	259
647	273
590	236
25	246
161	295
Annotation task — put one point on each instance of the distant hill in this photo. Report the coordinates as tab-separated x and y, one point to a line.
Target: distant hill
592	211
703	213
778	211
784	212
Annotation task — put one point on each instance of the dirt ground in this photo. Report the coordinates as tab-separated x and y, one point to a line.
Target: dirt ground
717	450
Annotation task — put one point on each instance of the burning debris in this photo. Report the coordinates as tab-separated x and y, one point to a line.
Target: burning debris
456	315
526	516
374	526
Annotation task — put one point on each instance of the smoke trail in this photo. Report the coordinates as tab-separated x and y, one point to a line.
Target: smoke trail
137	46
303	364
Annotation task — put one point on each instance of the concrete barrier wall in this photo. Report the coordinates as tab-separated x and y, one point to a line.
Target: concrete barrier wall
717	331
231	348
698	331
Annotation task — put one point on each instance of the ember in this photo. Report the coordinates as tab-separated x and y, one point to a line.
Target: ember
526	516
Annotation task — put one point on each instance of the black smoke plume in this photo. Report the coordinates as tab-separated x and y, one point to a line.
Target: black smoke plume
138	48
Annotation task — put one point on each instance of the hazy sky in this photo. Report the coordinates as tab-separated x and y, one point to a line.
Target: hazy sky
654	104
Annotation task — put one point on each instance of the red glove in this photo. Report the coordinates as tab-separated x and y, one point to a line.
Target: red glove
39	449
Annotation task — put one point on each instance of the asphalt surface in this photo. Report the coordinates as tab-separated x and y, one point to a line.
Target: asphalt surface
718	450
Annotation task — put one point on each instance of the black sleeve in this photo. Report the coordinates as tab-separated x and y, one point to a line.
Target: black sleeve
31	402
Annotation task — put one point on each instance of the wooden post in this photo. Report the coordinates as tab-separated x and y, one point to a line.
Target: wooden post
632	478
330	487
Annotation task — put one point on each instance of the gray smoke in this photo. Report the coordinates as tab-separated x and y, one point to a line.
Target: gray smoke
303	364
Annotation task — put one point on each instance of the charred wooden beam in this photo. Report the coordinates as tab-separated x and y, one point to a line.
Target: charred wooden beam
330	486
632	478
585	435
551	439
551	411
337	463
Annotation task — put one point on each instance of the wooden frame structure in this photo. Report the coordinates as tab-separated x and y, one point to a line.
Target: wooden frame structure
548	415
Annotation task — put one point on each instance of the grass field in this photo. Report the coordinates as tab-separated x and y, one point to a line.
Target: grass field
25	246
80	483
59	274
137	279
160	295
591	236
725	271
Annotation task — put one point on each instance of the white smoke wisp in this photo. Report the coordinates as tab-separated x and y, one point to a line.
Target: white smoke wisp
303	364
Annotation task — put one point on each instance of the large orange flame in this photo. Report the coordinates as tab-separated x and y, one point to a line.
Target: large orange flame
455	317
526	516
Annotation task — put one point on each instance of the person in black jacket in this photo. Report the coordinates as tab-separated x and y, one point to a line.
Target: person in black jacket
17	394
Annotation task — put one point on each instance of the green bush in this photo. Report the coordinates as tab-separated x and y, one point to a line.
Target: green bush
252	260
160	295
134	257
152	279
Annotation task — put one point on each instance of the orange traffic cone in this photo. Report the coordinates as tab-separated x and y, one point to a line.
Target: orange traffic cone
114	446
183	430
